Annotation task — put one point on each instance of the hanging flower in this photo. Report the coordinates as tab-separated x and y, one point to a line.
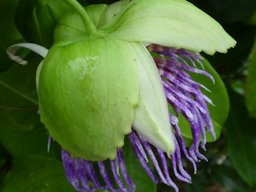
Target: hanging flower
124	70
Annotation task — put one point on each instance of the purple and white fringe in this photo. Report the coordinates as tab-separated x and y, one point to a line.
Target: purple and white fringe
185	97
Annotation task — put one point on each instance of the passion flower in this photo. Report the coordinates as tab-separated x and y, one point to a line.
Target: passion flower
114	71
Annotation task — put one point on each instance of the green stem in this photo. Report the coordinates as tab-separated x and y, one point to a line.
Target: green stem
89	25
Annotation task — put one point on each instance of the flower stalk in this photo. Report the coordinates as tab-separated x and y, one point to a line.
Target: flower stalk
88	24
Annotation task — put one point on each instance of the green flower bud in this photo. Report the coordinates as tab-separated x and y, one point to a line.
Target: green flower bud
87	94
98	80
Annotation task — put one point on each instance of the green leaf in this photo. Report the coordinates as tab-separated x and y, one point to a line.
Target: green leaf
36	174
173	23
218	95
21	132
217	177
251	83
241	137
36	19
228	178
18	100
8	32
252	19
230	11
229	64
23	143
3	156
142	181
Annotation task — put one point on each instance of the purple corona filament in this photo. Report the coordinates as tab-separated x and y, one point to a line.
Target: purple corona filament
186	99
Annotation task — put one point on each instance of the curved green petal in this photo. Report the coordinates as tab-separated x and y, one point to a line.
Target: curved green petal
11	51
172	23
87	94
151	116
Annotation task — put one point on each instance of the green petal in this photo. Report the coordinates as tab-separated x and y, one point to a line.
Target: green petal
151	116
87	94
172	23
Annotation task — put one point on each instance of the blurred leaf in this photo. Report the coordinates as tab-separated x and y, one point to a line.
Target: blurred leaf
23	143
18	100
8	32
219	97
241	137
252	19
4	163
200	181
136	172
229	11
36	19
36	174
251	83
228	179
3	156
229	64
89	2
216	175
20	129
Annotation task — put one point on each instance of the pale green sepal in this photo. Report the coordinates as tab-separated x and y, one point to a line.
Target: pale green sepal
111	12
11	51
87	94
151	116
172	23
70	28
38	70
95	12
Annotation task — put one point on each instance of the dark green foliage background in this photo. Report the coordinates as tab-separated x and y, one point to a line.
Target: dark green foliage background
25	165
